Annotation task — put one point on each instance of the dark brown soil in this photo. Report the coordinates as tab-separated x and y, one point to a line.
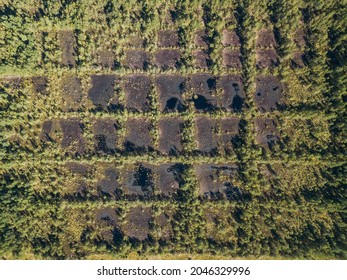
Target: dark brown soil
40	84
72	135
201	39
169	178
109	185
300	38
102	90
233	94
170	135
138	222
216	181
230	38
68	47
167	59
137	92
105	135
202	59
107	219
229	130
167	38
269	92
231	58
138	180
266	132
72	93
203	86
108	216
265	39
135	59
206	134
138	137
45	135
136	42
170	89
266	58
106	59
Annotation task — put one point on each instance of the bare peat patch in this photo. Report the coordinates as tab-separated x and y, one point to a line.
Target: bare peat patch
72	93
170	89
106	59
266	132
201	39
231	58
170	130
138	137
108	216
217	181
265	39
107	219
169	177
102	90
46	130
229	132
266	58
40	84
138	181
137	93
167	38
230	38
109	186
206	134
167	59
202	59
233	94
138	222
269	93
68	48
136	42
135	59
105	135
72	141
203	86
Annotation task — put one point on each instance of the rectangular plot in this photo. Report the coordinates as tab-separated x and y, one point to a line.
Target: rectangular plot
137	92
169	177
68	47
138	137
137	222
233	92
102	91
229	132
203	86
170	138
135	59
269	93
72	93
105	135
170	89
167	59
72	140
206	134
